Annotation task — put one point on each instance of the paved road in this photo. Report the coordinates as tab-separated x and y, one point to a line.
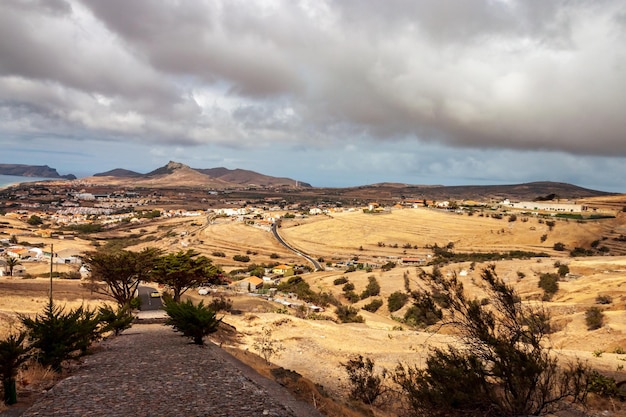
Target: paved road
148	302
150	370
316	264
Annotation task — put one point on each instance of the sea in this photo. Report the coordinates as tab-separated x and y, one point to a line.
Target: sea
8	180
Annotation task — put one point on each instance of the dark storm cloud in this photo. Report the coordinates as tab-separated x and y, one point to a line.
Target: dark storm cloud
506	74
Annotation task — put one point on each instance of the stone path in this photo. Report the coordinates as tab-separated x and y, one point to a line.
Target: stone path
149	370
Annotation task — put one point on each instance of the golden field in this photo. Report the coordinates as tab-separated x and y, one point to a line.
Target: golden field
316	348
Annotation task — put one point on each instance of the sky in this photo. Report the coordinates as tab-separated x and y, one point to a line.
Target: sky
333	93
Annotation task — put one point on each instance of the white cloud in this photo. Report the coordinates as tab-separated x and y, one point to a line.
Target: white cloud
316	75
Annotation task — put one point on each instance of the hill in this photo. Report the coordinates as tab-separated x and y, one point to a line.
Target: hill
176	174
43	171
525	191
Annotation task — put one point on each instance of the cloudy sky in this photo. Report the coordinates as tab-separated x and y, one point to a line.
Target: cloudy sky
334	93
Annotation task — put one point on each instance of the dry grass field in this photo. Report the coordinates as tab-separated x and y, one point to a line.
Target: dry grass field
316	348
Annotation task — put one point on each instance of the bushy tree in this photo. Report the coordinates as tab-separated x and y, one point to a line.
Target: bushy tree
58	335
348	314
502	366
13	353
594	318
117	273
396	301
184	270
549	283
563	270
372	288
193	321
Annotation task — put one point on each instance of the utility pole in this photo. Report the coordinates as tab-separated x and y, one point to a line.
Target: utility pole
51	259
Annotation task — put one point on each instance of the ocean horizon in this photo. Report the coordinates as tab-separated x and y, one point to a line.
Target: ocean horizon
8	180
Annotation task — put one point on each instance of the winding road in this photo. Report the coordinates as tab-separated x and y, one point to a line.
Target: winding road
316	264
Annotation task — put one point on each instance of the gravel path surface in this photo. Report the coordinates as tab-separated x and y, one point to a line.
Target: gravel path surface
149	370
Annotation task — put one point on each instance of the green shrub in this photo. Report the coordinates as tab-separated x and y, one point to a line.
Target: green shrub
347	314
193	321
563	270
58	336
373	305
218	254
340	281
594	318
115	320
348	286
604	299
549	283
559	246
241	258
396	301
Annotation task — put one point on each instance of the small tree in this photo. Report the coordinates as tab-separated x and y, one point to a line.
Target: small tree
13	353
58	335
502	367
117	274
12	262
193	321
184	270
365	385
267	346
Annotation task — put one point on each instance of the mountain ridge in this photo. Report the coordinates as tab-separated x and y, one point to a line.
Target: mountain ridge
177	174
